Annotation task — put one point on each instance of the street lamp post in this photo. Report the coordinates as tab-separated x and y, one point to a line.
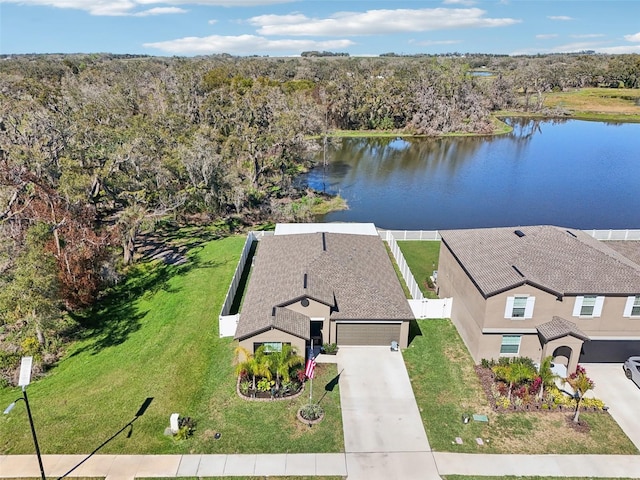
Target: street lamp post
24	380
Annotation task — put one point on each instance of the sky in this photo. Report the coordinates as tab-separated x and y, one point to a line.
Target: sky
289	27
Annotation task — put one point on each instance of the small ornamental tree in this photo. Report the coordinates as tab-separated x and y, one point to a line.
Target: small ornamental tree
580	384
545	375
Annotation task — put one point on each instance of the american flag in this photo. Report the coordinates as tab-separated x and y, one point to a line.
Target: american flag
310	368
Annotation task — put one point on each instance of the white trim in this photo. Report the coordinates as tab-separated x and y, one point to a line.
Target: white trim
508	309
397	322
510	331
516	353
597	306
528	310
629	307
577	306
605	337
597	309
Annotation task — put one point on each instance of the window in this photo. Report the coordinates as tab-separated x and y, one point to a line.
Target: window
519	307
588	306
632	308
269	347
510	344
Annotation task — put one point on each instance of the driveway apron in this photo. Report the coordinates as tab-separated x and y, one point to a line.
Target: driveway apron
620	394
383	432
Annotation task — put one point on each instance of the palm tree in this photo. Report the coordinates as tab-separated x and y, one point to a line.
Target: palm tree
514	374
282	362
580	384
547	377
254	365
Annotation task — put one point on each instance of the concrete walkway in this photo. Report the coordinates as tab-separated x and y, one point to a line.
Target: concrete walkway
384	438
355	466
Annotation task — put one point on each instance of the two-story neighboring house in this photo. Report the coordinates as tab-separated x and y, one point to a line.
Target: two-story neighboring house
542	290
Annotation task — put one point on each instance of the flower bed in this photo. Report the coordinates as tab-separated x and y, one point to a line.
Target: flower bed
525	398
262	396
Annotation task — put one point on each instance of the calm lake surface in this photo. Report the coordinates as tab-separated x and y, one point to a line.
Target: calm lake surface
570	173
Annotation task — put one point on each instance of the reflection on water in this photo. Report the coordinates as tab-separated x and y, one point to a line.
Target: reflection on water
564	172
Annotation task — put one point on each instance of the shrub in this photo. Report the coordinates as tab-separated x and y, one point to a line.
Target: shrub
186	427
592	403
330	348
311	411
484	363
245	385
264	384
503	402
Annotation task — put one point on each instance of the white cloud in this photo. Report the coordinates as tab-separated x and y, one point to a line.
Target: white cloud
620	49
243	45
633	38
212	21
459	2
588	35
546	36
375	22
561	18
130	7
160	11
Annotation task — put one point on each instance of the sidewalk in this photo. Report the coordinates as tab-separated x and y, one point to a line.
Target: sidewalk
129	467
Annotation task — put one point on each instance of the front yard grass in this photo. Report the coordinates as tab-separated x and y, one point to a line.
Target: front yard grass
156	335
446	387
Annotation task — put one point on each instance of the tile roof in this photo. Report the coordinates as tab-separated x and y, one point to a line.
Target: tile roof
561	260
558	327
351	273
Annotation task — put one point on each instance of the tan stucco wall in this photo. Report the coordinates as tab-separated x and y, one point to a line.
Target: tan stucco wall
275	335
316	311
467	310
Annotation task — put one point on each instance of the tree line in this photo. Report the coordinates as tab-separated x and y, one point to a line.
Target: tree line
96	149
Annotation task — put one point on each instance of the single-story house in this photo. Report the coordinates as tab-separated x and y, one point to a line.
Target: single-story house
324	287
542	290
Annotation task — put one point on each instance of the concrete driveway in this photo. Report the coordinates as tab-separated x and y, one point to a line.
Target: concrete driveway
620	394
383	432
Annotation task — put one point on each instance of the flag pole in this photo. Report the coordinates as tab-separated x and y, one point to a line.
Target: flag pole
311	385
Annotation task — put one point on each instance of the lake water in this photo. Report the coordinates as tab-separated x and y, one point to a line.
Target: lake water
570	173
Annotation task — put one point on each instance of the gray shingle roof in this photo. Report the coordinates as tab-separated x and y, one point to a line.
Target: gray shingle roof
351	273
559	327
563	261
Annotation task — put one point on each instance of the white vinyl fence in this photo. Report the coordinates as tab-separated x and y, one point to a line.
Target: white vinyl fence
614	234
431	308
227	323
402	265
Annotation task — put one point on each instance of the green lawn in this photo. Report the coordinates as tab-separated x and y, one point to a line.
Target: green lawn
422	257
157	336
446	387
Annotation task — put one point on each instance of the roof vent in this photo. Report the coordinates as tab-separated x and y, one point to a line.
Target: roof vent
519	233
304	281
324	242
571	233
